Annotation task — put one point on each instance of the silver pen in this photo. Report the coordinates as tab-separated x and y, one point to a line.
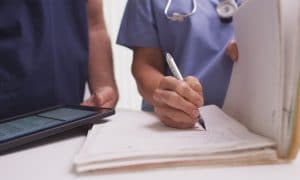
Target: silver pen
175	71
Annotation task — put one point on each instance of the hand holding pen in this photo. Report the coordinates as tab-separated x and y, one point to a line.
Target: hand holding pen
177	100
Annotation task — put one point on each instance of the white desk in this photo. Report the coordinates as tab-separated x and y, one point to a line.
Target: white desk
53	161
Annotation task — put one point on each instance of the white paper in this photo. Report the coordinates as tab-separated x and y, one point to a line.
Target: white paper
290	18
264	82
231	158
255	93
139	135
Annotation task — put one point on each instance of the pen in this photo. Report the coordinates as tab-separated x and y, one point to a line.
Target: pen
175	71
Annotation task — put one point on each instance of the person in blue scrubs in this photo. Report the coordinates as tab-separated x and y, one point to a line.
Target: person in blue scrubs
48	51
202	49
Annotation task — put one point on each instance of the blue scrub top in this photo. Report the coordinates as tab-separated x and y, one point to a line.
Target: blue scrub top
43	54
197	44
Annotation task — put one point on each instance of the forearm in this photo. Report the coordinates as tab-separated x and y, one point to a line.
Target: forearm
100	60
147	82
147	70
102	84
175	102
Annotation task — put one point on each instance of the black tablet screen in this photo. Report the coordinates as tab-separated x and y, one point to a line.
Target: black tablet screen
26	125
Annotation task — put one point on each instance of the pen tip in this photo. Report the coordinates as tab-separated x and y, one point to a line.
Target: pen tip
201	122
203	125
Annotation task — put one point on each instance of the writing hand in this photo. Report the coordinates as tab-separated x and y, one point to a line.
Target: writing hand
176	102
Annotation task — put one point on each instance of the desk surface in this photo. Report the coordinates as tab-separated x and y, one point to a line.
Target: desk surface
53	161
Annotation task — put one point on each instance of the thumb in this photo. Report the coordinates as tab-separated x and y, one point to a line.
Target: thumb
232	51
89	101
103	97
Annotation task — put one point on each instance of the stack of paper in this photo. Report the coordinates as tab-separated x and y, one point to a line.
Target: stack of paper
135	138
290	10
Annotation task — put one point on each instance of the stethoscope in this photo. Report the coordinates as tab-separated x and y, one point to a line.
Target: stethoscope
225	10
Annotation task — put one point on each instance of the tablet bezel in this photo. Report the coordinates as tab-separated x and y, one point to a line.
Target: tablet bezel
100	113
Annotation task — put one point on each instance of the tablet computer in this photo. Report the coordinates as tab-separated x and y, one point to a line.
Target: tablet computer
34	126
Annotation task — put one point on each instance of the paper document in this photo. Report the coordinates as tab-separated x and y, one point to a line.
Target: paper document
139	136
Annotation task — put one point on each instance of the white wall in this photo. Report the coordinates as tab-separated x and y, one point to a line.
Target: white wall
129	96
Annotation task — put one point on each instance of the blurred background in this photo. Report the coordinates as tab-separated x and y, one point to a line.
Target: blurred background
129	96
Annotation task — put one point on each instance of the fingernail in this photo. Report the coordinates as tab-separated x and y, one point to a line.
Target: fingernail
199	103
196	113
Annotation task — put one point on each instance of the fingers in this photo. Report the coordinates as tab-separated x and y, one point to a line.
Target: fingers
102	97
88	102
176	116
173	124
232	51
105	97
175	101
194	83
182	88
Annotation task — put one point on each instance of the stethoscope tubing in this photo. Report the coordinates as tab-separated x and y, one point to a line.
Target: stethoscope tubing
180	16
183	16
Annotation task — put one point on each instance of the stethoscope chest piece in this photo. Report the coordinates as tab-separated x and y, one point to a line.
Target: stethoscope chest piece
226	10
